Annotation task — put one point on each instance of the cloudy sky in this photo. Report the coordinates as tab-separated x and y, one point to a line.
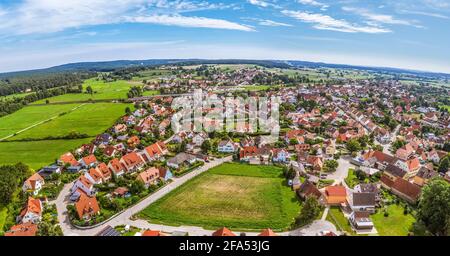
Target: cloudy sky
413	34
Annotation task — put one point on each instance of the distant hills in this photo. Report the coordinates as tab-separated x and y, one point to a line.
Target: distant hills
112	65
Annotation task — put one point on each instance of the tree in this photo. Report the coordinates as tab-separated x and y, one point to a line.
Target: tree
378	147
353	145
137	187
444	164
48	229
89	90
128	110
331	165
434	207
310	211
206	146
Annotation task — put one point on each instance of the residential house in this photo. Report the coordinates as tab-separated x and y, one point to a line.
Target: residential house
423	176
132	162
223	232
336	195
87	207
33	184
165	174
362	201
405	152
330	147
110	151
94	176
149	176
117	167
49	170
267	232
121	192
361	220
227	146
67	158
181	159
154	151
314	162
105	171
88	161
25	229
280	155
307	189
32	212
83	184
402	188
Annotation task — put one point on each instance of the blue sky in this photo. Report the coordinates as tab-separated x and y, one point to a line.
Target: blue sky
413	34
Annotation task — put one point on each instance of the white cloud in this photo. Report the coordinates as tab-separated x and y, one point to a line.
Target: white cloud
183	21
314	3
429	14
326	22
379	18
261	3
47	16
269	23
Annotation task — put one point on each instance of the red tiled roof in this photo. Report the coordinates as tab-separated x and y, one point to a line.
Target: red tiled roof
26	229
223	232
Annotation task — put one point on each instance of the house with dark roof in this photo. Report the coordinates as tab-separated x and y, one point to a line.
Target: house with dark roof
362	201
307	189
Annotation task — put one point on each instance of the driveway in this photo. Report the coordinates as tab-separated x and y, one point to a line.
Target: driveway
124	217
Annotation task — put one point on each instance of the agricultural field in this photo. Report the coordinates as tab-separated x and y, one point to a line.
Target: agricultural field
241	197
37	154
90	119
29	116
102	91
17	95
150	75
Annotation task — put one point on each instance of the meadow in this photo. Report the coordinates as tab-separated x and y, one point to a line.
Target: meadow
240	197
30	115
102	91
37	154
90	119
396	224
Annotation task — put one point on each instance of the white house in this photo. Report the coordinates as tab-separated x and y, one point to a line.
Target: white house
33	184
32	211
280	155
83	184
226	146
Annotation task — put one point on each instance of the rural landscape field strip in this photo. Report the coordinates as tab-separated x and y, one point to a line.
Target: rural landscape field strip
30	116
241	197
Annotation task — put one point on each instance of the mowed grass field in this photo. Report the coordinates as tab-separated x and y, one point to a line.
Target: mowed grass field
103	91
30	115
36	154
90	119
240	197
396	224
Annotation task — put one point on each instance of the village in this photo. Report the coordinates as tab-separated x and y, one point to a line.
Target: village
359	148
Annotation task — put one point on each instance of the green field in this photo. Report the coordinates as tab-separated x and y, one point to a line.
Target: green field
90	119
240	197
30	115
102	91
396	224
17	95
336	217
37	154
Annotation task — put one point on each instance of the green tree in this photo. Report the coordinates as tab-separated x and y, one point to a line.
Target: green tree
137	187
89	90
48	229
206	146
444	164
353	145
434	207
331	165
310	211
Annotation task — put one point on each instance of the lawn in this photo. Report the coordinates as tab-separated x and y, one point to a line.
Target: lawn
102	91
36	154
336	217
256	87
396	224
90	119
30	115
150	93
240	197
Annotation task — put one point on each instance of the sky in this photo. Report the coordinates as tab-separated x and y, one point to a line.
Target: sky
411	34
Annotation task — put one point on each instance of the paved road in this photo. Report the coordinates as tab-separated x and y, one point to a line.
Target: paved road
124	217
342	171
